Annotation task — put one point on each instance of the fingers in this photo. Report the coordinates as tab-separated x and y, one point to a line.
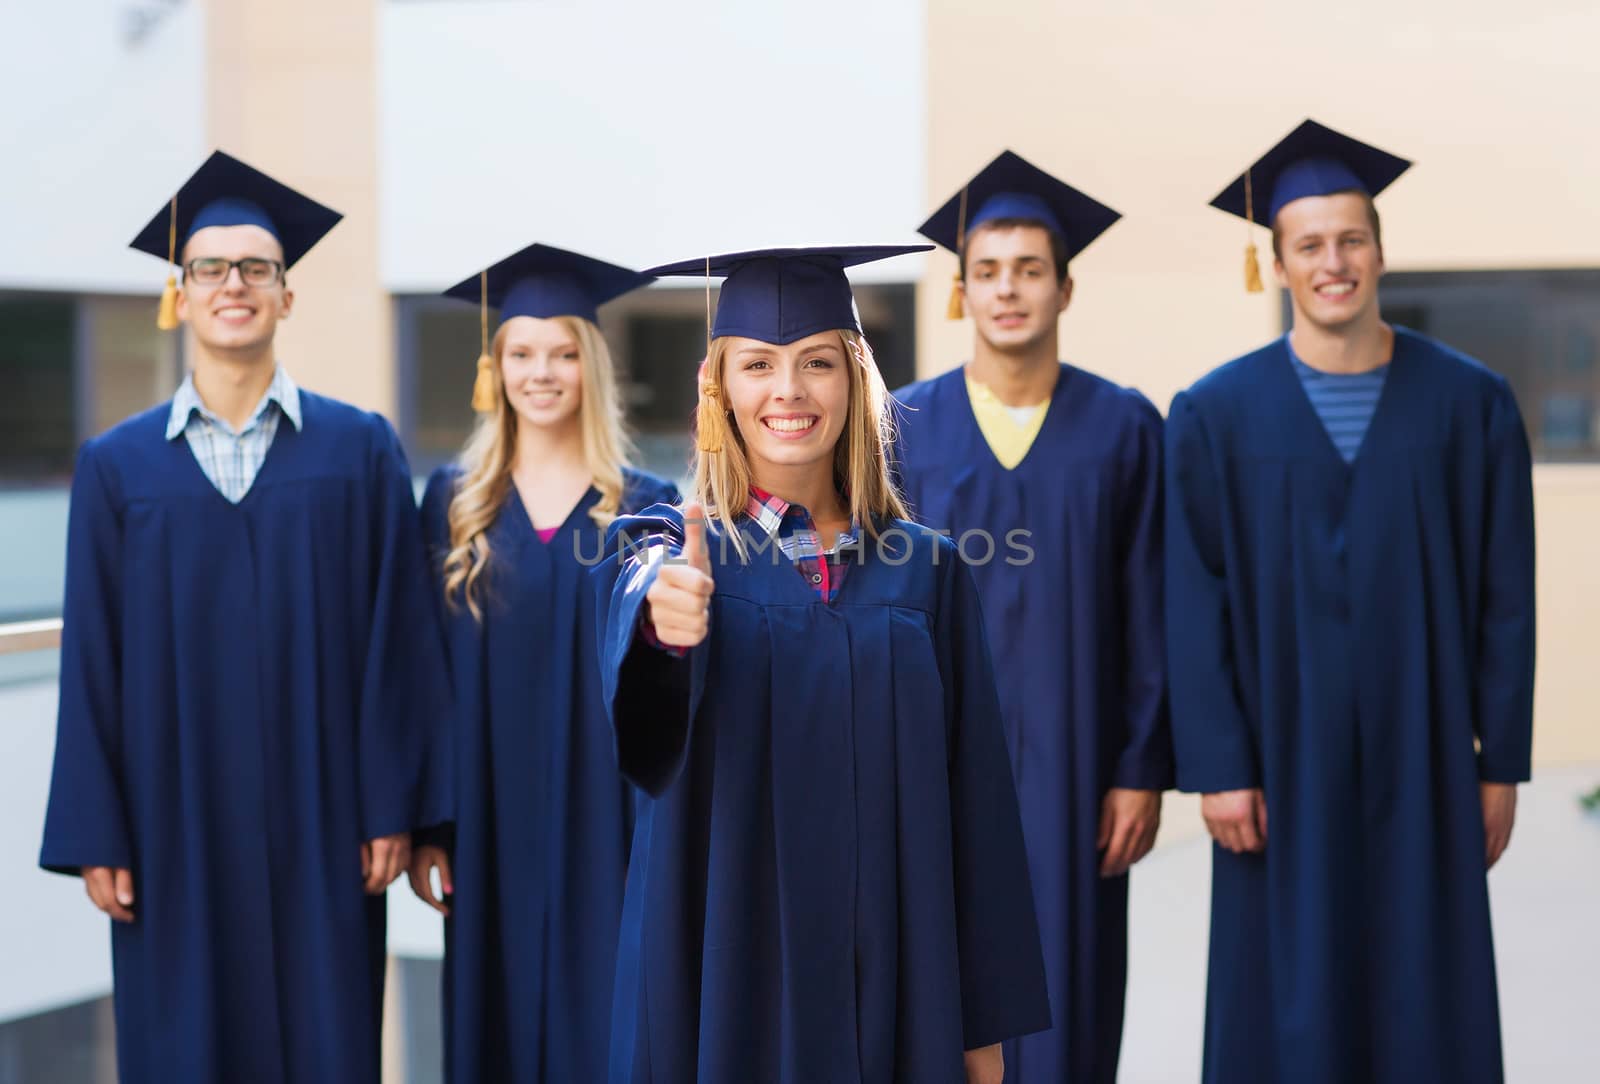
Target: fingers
402	859
1144	842
694	537
97	883
680	612
373	854
1120	850
1102	836
1497	837
108	888
123	881
1249	834
1237	819
423	862
389	857
680	597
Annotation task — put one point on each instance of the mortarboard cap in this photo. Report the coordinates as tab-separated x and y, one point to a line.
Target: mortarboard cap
1312	160
1012	187
781	295
226	192
778	296
540	281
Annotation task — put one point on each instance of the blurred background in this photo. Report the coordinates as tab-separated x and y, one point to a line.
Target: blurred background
452	132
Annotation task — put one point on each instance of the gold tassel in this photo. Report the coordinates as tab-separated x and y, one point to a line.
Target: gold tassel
167	314
483	400
707	431
1252	265
955	310
707	423
483	386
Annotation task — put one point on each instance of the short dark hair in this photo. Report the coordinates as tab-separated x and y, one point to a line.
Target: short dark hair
1058	244
1372	220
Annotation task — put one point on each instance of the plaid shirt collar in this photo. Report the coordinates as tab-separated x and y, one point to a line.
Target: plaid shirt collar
776	516
186	403
797	537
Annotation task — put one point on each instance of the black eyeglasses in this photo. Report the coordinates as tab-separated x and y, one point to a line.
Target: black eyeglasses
214	271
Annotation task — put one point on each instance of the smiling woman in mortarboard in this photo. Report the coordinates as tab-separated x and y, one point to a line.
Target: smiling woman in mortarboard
828	883
533	870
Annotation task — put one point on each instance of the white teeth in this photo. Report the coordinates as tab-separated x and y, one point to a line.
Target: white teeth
1338	289
790	425
233	311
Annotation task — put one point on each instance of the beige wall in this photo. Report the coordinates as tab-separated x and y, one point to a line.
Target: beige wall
1153	107
291	87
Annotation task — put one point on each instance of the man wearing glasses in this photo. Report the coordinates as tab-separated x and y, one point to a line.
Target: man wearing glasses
250	679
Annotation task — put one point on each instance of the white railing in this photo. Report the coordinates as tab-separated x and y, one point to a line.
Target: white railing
22	636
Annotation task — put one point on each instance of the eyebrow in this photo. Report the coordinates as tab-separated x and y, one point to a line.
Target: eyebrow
1342	231
1027	258
267	259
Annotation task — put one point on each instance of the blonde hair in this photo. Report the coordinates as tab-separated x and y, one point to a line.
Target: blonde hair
722	478
487	458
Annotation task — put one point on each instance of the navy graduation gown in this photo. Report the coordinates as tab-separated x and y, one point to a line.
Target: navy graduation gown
828	882
542	820
1080	657
1339	636
248	692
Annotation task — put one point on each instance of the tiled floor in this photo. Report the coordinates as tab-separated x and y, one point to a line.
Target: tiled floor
1546	897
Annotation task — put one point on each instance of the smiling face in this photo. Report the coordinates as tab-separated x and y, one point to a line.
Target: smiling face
789	403
541	366
233	317
1330	259
1012	288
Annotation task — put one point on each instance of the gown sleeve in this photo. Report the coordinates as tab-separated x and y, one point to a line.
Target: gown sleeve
1003	991
403	724
1145	762
1503	700
86	821
649	693
1213	743
435	523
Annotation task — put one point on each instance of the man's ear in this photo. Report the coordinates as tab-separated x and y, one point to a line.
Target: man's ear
1066	293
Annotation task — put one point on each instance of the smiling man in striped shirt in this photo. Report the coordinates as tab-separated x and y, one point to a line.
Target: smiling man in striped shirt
1350	618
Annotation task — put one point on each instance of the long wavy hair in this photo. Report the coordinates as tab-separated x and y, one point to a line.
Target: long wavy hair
861	473
486	460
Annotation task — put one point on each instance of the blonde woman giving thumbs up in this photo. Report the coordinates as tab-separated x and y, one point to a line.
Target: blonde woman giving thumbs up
828	881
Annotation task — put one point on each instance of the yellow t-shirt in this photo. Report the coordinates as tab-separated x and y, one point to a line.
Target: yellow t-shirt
1009	436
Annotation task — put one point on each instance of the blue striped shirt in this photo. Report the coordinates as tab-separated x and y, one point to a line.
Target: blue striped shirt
1344	401
232	459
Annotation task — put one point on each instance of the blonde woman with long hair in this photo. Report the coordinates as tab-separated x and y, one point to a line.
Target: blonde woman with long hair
829	883
532	874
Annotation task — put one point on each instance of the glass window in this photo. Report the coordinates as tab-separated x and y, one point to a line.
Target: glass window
70	367
134	364
438	342
657	338
1540	329
38	345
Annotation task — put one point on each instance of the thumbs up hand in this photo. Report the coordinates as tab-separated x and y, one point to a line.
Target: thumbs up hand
680	599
